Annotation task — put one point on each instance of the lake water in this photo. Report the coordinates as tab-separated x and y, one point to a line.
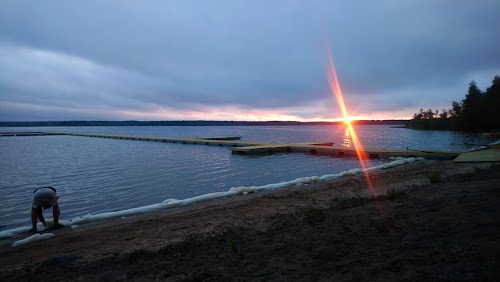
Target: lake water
95	175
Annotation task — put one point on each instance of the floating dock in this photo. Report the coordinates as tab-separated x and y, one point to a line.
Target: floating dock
340	151
258	148
229	141
7	134
485	155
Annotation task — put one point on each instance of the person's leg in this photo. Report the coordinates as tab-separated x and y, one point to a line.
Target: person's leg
39	213
56	212
33	219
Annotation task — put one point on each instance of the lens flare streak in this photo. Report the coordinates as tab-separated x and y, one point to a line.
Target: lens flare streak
360	152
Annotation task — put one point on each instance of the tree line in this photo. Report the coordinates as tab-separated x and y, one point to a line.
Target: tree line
479	110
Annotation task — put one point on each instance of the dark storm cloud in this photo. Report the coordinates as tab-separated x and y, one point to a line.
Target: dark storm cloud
96	59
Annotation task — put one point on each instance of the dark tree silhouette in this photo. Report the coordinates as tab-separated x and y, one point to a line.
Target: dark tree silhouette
472	108
477	111
492	104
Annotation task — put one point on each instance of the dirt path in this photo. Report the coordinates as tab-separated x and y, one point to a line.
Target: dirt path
328	231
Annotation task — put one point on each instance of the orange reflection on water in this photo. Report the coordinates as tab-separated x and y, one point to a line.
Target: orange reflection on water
362	156
346	138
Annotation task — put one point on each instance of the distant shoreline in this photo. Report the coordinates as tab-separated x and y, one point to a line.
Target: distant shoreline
187	123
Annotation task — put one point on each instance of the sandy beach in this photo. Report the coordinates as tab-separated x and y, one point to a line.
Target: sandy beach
431	220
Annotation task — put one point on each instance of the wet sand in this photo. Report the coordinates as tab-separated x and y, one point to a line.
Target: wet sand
414	230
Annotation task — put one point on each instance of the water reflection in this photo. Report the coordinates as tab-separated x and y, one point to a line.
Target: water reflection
346	138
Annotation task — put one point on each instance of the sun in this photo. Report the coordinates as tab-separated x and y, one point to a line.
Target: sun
347	120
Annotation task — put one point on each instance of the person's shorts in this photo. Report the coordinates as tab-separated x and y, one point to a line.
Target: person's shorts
45	198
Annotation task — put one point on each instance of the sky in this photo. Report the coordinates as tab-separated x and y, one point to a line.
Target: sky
241	60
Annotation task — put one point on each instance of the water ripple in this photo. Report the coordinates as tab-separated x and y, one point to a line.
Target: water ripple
95	175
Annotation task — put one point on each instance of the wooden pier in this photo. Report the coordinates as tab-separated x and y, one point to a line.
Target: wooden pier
11	134
229	141
258	148
340	151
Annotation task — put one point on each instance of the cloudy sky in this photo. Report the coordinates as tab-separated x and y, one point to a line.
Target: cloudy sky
241	60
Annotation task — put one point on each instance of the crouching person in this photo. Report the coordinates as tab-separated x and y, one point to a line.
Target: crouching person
45	198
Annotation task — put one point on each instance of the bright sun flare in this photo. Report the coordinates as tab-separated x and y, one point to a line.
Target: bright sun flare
347	120
362	155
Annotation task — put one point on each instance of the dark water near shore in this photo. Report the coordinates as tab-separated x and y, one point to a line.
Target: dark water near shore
95	175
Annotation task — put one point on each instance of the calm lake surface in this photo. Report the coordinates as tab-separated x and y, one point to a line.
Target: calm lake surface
95	175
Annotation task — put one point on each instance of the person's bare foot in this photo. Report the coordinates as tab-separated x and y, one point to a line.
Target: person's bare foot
58	226
33	230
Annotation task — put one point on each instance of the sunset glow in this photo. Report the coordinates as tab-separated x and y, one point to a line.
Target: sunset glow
347	120
337	92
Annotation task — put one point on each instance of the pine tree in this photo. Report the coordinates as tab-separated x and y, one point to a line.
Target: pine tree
472	113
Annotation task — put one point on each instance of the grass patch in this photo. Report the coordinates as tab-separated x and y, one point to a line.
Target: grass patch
435	177
315	215
477	170
345	203
135	255
232	246
341	202
396	194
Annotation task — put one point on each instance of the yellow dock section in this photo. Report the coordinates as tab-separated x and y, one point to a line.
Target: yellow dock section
487	155
255	148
